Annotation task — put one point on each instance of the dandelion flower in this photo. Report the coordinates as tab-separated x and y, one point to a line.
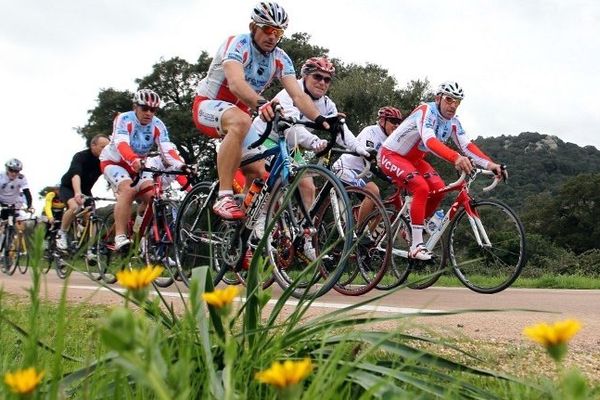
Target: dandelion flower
23	381
282	375
220	298
136	279
554	337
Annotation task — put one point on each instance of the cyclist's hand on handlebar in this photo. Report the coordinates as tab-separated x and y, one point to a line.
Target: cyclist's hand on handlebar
79	198
266	109
137	164
322	121
372	153
463	163
318	145
499	170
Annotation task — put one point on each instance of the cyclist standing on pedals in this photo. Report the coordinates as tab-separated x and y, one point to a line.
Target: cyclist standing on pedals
402	156
134	134
243	67
13	184
77	182
349	166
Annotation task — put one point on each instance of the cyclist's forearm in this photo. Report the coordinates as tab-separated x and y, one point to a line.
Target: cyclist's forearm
76	183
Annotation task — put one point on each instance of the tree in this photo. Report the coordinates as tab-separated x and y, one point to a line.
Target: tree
110	103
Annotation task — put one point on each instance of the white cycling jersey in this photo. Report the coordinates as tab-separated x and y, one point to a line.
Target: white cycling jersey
10	190
300	135
371	136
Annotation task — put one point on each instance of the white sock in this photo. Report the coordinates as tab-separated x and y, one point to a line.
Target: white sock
417	235
225	193
137	223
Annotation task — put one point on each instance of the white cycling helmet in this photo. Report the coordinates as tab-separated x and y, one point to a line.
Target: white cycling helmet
270	13
146	97
14	164
452	89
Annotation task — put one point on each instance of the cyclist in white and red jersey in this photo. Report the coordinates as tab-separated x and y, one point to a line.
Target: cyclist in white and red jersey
13	187
349	166
135	133
425	130
242	68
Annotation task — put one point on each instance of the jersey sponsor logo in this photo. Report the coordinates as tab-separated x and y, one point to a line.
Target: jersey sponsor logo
390	167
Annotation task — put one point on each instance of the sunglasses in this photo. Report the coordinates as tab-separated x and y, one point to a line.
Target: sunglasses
319	78
451	100
394	121
14	171
271	30
148	108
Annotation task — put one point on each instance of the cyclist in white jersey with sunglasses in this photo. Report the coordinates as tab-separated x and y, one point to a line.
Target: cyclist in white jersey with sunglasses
242	68
425	130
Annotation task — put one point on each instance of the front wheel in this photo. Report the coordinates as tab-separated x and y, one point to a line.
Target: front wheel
8	251
486	246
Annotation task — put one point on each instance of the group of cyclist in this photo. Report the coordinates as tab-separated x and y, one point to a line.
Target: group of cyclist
243	67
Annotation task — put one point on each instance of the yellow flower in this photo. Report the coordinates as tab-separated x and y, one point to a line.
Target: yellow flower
23	381
553	337
286	374
136	279
221	297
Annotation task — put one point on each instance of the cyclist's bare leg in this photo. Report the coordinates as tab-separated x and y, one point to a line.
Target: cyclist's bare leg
307	191
235	123
367	205
125	196
69	215
253	171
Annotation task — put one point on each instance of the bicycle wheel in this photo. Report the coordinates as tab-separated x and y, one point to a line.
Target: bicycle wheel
199	234
398	269
486	246
371	252
8	251
309	254
91	252
109	260
161	251
22	256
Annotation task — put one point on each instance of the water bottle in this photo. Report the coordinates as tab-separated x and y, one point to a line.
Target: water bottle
256	187
435	222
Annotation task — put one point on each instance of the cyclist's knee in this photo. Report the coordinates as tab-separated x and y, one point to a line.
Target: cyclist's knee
373	188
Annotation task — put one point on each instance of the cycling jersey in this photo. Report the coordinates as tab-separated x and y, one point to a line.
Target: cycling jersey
300	135
425	130
371	136
52	205
10	190
259	69
131	140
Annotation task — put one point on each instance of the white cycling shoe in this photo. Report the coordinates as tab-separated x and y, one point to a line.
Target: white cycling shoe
420	252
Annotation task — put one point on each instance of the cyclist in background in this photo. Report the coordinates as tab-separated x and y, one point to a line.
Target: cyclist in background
14	187
349	166
53	209
135	133
242	68
402	156
77	182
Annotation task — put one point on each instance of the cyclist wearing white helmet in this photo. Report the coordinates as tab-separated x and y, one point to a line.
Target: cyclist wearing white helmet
135	134
426	130
348	166
13	184
242	68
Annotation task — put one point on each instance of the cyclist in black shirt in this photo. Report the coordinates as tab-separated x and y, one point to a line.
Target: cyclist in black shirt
77	182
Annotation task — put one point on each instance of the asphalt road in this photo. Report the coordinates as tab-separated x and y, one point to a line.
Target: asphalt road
506	325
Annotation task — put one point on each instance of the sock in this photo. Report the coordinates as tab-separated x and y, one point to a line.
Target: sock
417	235
223	193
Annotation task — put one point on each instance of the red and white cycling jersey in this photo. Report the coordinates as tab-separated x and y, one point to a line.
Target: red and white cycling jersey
259	69
131	140
426	130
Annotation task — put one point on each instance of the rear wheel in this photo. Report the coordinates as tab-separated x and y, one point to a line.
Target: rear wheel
22	256
488	259
8	251
162	251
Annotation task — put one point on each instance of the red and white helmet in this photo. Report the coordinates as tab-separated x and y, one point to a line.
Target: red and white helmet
270	13
389	112
146	97
315	64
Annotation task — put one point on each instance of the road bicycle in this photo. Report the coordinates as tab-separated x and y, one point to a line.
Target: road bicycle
483	241
153	242
13	241
294	222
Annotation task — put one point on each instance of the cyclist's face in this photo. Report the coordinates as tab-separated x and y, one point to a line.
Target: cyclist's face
99	145
447	105
11	173
318	83
267	37
144	114
389	124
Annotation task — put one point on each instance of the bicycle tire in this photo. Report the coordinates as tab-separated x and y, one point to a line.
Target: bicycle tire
487	269
8	251
163	252
22	254
91	254
371	252
286	239
105	240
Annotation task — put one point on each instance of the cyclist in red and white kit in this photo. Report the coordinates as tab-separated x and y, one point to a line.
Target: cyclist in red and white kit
242	68
402	156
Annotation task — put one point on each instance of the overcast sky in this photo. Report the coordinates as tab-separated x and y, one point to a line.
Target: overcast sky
525	65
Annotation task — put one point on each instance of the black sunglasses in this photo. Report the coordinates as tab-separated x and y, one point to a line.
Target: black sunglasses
394	121
148	108
16	171
319	78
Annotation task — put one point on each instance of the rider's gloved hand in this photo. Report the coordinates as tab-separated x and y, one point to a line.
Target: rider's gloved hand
499	170
372	153
322	122
362	150
318	144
